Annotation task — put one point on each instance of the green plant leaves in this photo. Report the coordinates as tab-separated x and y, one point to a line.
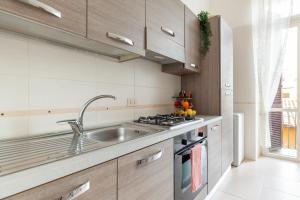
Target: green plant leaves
205	32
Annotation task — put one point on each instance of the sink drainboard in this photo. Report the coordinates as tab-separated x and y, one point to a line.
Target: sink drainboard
22	154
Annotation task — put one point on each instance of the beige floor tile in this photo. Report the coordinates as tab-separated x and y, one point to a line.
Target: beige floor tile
271	194
219	195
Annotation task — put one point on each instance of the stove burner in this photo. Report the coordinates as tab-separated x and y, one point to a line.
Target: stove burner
163	120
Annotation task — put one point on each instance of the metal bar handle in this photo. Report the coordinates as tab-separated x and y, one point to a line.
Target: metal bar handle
194	65
150	159
214	128
42	6
66	121
77	192
168	31
120	38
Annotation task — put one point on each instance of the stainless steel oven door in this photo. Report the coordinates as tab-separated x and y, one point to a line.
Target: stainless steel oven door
183	173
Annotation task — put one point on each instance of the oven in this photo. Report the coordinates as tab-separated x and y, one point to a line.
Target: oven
182	163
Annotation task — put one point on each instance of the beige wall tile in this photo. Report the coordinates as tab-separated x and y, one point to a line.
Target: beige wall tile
13	54
51	61
53	93
14	93
13	127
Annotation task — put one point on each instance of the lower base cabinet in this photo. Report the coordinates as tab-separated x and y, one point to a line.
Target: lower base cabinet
102	181
214	154
147	174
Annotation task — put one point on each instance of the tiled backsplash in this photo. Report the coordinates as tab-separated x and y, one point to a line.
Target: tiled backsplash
38	75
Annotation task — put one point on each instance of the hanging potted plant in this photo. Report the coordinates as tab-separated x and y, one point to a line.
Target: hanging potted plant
205	32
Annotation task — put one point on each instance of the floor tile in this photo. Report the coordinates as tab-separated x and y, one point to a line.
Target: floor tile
219	195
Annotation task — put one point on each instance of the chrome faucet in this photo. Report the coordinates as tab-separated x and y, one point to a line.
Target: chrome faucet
77	124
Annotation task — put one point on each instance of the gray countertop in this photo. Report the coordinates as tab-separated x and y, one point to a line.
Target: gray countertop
37	175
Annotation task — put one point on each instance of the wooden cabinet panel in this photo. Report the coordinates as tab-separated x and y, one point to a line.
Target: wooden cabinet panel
73	13
149	181
214	154
192	41
165	23
126	19
226	52
192	47
102	178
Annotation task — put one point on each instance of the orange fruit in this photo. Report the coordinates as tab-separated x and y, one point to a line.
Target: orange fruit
185	105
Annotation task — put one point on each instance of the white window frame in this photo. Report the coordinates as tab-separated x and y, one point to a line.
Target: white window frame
296	23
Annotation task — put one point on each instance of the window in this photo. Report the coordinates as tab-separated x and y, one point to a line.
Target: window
283	117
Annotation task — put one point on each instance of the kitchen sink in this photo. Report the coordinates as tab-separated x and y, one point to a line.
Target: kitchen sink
116	134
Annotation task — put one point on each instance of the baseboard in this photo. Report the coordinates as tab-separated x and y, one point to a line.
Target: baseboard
213	191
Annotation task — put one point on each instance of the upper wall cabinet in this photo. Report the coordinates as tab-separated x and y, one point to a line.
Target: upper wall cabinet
69	15
165	31
118	23
192	47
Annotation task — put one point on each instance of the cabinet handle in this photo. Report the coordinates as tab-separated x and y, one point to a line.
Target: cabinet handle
214	128
76	192
194	65
42	6
120	38
168	31
150	159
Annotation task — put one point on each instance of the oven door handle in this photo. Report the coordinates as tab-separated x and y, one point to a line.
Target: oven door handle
188	149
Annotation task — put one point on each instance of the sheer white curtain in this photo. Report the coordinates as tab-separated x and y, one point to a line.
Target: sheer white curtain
271	20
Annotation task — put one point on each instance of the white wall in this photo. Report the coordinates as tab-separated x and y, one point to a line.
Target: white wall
197	5
37	76
238	15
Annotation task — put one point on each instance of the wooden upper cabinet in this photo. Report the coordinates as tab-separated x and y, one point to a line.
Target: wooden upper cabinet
192	41
101	181
192	47
147	174
118	23
165	30
69	15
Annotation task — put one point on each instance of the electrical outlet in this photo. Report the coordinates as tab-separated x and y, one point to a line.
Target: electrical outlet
130	102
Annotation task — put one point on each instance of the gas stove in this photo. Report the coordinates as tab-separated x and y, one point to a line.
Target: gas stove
165	120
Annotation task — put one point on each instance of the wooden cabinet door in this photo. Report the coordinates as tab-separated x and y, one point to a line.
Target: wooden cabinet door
165	28
192	41
147	174
69	15
226	51
102	180
118	23
214	154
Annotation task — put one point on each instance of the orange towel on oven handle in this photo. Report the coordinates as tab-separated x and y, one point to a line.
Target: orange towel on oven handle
196	167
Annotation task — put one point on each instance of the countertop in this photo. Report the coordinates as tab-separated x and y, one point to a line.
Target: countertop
23	180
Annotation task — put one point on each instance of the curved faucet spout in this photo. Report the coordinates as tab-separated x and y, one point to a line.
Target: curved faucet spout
86	105
77	125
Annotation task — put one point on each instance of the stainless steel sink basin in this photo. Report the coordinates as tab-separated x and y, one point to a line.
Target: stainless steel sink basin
116	134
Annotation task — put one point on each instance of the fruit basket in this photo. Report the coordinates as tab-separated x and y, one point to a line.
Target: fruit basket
184	106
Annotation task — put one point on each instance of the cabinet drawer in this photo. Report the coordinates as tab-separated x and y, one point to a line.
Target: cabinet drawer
118	23
69	15
147	174
165	28
214	154
102	180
